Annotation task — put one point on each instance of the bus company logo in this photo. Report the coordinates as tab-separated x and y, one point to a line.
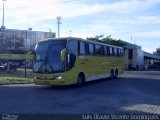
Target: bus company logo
9	117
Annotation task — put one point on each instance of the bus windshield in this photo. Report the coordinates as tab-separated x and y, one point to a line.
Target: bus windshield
47	58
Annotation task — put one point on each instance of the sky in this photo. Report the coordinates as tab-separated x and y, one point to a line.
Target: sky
134	21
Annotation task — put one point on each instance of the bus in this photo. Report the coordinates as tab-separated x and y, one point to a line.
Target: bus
66	61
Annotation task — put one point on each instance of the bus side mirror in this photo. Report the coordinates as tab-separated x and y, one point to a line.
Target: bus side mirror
63	55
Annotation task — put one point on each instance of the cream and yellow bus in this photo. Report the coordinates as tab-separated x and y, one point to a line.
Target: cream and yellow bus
65	61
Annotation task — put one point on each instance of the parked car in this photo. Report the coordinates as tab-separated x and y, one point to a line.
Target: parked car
12	66
3	67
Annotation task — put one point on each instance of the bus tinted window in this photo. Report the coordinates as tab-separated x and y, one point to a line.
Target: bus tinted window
118	52
121	52
107	51
115	51
82	48
102	50
99	50
90	48
72	46
71	55
110	50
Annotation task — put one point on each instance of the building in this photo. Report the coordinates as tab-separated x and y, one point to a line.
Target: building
157	52
151	59
13	40
136	58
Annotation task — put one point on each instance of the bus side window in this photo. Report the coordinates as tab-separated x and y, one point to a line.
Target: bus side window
91	49
108	51
72	46
111	52
115	51
99	50
105	51
102	50
121	52
118	52
71	53
81	48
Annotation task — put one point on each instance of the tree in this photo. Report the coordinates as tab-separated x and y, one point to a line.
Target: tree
107	40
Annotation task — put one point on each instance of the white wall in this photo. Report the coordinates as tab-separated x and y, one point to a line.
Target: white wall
140	58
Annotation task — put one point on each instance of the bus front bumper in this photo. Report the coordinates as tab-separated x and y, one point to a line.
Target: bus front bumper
50	82
57	80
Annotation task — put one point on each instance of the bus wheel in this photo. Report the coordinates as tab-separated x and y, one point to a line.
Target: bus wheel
80	80
116	73
112	74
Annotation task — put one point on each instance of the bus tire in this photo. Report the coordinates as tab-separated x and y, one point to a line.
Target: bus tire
116	73
112	74
80	79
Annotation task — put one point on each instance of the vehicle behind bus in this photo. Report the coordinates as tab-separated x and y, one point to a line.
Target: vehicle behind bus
65	61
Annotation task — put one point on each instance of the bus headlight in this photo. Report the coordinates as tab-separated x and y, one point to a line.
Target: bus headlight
57	77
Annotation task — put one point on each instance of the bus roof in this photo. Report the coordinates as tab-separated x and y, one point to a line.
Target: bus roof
76	38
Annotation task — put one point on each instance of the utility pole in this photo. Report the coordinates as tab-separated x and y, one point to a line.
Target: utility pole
49	33
134	41
59	22
70	33
2	27
131	38
25	72
3	14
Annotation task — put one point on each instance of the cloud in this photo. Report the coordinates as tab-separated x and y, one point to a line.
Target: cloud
130	6
149	19
25	11
148	34
140	20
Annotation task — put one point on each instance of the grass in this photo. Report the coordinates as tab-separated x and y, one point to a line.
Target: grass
15	80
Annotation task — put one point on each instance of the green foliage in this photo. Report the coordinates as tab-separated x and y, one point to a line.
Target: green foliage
107	40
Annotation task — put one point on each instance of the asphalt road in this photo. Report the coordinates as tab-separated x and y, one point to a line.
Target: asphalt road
132	93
